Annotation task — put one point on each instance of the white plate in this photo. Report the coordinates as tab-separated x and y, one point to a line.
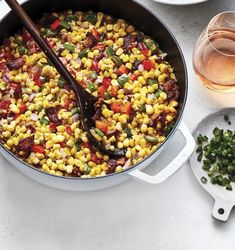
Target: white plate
180	2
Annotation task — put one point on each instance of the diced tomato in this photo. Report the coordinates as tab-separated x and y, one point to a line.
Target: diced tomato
37	149
63	144
106	82
144	52
95	33
35	73
116	107
124	108
17	90
133	77
52	126
95	66
100	46
16	116
95	159
114	90
67	103
32	46
122	70
86	145
148	64
8	55
101	91
5	104
102	125
26	36
68	129
127	108
55	24
4	68
22	108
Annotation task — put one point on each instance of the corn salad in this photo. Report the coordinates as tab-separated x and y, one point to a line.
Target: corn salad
125	69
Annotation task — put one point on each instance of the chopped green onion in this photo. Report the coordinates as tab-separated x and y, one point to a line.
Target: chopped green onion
151	82
109	51
70	18
199	158
22	50
91	17
49	33
78	145
151	139
92	87
69	47
150	44
107	95
93	75
99	132
75	111
86	169
64	24
122	80
128	132
158	92
60	83
83	53
102	37
116	60
44	121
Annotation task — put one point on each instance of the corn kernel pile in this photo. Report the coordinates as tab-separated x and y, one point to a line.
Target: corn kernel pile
125	69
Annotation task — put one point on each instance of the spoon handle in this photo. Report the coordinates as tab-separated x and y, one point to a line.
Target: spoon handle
15	6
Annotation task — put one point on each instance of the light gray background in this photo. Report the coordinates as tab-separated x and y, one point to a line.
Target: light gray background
173	216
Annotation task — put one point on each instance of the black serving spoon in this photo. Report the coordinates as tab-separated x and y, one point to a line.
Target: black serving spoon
85	101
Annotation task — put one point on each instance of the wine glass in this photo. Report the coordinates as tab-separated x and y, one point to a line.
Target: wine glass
214	53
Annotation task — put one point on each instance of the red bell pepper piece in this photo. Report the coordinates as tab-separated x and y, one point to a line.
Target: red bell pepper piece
102	125
127	108
100	46
106	82
101	90
114	90
124	108
26	36
86	145
67	103
35	73
37	149
148	64
53	126
122	70
144	52
95	33
95	159
63	144
68	129
5	104
95	66
133	77
22	108
55	24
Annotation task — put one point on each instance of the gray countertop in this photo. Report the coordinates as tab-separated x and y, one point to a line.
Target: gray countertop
173	216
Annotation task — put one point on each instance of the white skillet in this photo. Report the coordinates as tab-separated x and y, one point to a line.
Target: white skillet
224	199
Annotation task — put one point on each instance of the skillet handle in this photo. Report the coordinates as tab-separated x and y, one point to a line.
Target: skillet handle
173	166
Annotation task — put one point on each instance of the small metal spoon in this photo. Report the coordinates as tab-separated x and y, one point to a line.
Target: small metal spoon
85	100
